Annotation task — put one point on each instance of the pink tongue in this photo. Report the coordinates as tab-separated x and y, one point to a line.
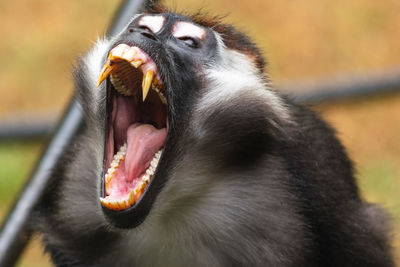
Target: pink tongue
143	141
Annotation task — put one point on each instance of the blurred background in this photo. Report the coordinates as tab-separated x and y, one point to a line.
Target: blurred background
303	41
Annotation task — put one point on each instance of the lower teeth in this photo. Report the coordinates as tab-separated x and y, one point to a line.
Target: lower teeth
134	194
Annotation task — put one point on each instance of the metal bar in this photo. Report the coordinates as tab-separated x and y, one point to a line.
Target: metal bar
27	128
15	231
344	87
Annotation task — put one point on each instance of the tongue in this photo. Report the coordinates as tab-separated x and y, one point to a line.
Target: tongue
143	141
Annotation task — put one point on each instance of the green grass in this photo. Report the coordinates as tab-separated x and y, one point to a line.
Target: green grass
16	161
379	184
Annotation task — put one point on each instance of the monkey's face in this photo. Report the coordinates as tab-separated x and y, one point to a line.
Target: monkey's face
152	75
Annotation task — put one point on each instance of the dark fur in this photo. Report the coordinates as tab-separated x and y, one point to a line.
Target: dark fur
296	172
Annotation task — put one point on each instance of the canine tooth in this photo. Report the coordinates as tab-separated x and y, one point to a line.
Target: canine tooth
108	189
147	79
137	63
131	198
105	72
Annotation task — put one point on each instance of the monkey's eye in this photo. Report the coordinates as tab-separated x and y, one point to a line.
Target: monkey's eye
189	41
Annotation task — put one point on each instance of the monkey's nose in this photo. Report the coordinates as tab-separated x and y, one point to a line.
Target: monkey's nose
146	32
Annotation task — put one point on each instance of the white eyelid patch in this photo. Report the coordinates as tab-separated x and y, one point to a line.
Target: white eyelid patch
154	23
183	29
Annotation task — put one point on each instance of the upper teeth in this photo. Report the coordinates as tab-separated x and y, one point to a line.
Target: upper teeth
161	95
138	59
119	86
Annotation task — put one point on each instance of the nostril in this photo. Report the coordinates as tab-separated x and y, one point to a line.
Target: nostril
146	32
148	35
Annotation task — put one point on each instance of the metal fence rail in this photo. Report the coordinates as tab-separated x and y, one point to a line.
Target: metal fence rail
344	87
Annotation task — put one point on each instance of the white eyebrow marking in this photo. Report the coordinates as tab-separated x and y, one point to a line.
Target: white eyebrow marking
183	29
154	23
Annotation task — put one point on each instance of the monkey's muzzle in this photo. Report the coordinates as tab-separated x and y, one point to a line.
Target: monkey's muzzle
136	128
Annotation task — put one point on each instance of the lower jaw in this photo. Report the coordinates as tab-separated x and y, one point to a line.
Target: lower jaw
134	190
133	216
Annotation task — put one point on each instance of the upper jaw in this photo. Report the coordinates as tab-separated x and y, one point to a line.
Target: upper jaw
138	59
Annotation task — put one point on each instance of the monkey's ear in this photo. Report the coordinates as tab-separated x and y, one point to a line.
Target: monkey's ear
155	7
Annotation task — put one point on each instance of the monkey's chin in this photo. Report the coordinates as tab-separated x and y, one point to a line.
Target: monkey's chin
136	131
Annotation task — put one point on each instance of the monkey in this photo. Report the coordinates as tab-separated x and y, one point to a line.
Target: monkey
189	157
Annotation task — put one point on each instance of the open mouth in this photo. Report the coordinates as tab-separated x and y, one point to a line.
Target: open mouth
137	125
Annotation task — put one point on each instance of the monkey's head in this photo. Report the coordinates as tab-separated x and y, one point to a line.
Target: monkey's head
182	95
